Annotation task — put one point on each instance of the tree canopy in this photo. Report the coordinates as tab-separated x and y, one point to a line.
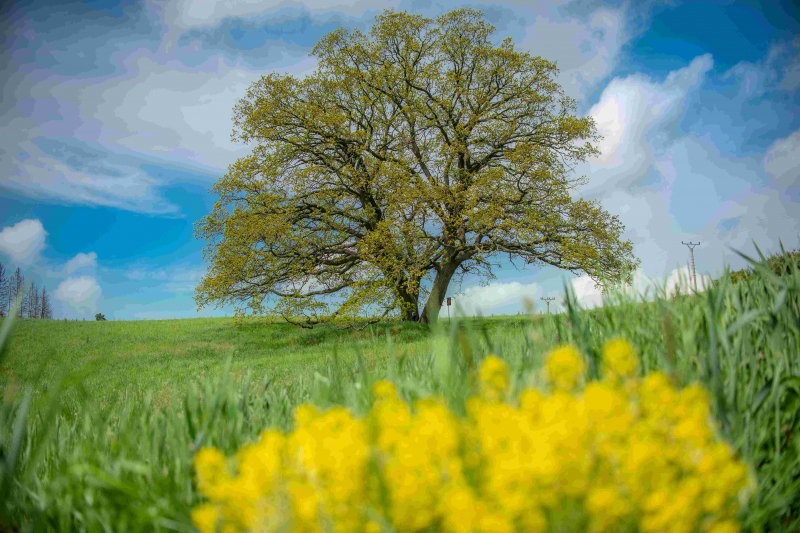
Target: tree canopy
410	157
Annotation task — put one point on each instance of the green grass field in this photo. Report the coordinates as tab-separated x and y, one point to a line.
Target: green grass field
117	409
108	360
164	356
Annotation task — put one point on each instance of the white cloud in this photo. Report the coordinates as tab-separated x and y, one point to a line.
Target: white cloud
185	14
586	293
184	281
136	274
178	114
170	111
484	300
158	112
632	115
699	193
763	216
36	173
641	288
585	50
23	241
492	297
80	261
59	173
782	159
42	176
681	280
81	295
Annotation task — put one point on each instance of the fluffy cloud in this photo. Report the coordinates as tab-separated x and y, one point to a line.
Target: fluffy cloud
681	281
165	114
81	295
46	177
495	296
584	49
642	287
484	300
23	241
782	160
80	261
633	115
585	292
667	189
86	141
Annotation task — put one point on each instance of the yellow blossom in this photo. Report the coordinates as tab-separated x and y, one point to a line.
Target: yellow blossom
564	367
384	389
494	376
212	471
205	517
619	359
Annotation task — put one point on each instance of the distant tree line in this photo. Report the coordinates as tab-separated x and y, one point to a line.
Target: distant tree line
35	303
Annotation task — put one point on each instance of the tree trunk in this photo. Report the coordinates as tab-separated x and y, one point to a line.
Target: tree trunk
411	301
440	283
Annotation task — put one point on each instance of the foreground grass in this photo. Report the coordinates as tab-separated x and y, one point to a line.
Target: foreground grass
115	465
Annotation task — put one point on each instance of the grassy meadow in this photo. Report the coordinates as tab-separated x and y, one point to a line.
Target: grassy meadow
101	420
109	359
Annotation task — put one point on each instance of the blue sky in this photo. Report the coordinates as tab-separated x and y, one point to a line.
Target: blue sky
116	121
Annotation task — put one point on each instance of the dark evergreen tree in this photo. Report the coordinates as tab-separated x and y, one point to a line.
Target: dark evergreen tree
32	298
16	290
46	308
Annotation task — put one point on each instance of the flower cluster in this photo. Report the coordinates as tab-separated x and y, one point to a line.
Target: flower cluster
620	454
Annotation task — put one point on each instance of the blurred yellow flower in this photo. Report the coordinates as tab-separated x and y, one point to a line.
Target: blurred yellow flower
205	517
384	389
493	376
619	358
564	367
634	456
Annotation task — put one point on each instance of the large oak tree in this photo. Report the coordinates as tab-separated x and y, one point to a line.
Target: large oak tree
410	156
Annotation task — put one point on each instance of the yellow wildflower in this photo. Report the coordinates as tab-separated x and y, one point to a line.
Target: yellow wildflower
636	454
205	517
564	367
383	390
493	376
619	359
211	466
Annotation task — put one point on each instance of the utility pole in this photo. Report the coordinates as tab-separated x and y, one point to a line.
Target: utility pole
548	300
691	246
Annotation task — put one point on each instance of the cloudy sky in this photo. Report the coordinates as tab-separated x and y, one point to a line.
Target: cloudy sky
116	120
